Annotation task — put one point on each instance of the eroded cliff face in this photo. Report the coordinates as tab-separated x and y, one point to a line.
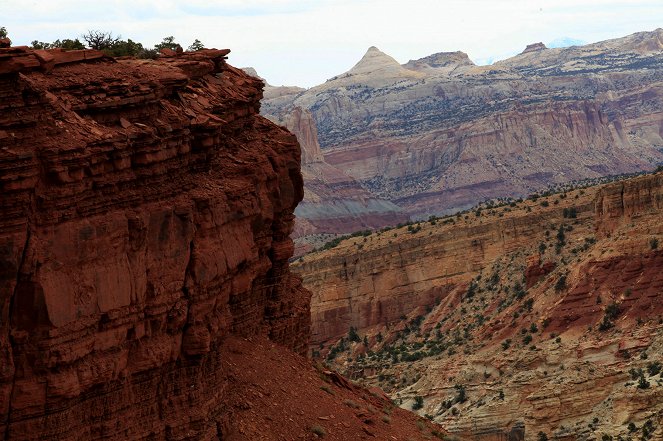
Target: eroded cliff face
146	212
544	313
364	283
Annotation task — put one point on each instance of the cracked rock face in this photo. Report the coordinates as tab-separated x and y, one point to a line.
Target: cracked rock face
146	212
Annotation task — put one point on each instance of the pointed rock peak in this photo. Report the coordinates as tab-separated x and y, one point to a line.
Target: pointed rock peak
373	60
534	47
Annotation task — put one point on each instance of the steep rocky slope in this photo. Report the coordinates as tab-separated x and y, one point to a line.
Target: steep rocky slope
440	133
544	313
144	248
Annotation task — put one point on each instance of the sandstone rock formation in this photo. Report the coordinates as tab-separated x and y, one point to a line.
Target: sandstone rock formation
145	291
443	62
146	213
545	312
439	133
534	47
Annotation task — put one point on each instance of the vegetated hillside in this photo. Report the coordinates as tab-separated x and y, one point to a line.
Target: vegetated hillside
438	134
145	291
546	313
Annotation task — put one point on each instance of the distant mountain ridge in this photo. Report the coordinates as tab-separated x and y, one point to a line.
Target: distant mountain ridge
440	133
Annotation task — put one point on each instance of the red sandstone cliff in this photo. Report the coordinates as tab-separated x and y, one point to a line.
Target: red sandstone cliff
146	215
145	292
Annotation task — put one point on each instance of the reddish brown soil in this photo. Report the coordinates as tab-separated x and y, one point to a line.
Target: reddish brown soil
279	395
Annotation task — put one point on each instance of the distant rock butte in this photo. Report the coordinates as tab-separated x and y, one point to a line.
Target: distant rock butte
376	62
534	47
441	60
251	71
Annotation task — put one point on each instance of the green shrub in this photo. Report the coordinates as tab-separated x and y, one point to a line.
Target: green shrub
418	403
461	395
353	336
643	383
561	283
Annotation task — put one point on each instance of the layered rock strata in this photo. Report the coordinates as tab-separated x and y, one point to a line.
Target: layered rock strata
333	201
363	283
545	313
439	134
146	210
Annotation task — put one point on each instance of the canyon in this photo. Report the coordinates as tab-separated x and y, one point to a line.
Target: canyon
543	313
439	134
145	287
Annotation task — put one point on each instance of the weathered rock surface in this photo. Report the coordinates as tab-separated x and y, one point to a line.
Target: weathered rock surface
545	313
278	395
145	292
146	212
440	133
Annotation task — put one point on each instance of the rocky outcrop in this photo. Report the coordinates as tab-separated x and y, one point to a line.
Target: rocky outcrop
536	270
442	61
300	122
146	210
440	134
534	47
627	201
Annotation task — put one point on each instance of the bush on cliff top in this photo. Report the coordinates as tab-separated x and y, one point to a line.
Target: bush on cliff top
111	45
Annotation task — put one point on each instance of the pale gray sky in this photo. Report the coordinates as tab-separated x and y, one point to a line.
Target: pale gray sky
300	42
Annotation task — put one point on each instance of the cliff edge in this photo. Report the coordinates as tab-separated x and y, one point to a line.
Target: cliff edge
146	209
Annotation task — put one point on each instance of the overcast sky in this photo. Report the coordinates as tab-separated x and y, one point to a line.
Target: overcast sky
300	42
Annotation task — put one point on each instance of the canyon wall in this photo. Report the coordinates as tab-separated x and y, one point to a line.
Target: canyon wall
545	313
146	210
334	202
362	284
